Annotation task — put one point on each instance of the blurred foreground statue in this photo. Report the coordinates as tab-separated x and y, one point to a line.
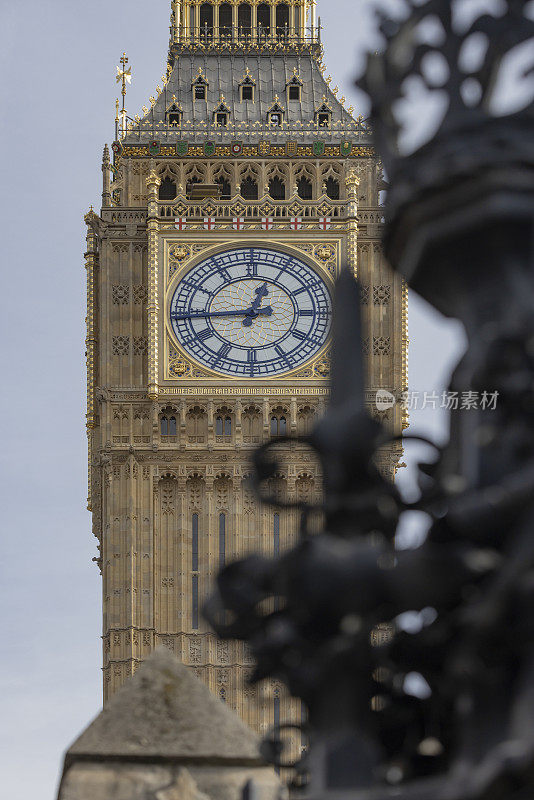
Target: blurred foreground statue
442	708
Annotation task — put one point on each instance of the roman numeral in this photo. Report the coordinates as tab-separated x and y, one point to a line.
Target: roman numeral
223	352
252	356
282	355
299	335
307	313
204	334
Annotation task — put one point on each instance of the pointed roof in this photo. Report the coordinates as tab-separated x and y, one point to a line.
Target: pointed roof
223	73
165	713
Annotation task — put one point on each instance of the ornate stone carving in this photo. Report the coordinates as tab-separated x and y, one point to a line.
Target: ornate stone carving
140	294
121	345
381	295
120	294
381	345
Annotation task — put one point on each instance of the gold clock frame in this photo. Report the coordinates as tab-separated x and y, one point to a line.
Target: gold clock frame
180	369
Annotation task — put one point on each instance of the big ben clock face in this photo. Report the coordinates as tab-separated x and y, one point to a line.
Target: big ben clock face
252	312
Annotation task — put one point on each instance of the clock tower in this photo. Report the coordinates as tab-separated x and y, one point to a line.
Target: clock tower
228	208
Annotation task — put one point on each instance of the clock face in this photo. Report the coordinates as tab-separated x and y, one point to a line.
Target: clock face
252	312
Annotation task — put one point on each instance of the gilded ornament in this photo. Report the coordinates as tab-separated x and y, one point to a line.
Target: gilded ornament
179	253
179	368
325	252
322	368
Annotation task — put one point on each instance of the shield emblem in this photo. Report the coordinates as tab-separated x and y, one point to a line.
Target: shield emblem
117	148
154	148
318	149
209	148
237	148
264	148
291	148
346	149
182	148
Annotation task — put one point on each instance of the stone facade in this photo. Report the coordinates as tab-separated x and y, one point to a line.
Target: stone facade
169	439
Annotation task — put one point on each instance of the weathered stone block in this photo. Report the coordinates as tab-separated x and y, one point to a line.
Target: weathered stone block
164	736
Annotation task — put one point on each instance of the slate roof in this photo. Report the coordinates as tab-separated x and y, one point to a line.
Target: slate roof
224	72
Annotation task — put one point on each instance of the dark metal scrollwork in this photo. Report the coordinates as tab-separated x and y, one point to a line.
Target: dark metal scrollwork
417	666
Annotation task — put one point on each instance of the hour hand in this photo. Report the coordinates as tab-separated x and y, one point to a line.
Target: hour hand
261	292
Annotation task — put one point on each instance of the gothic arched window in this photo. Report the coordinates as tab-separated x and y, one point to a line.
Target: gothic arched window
245	19
168	424
264	19
282	19
226	187
206	19
167	189
305	420
276	536
194	603
279	423
197	425
225	19
277	709
223	424
332	188
277	188
305	189
249	189
222	540
194	550
252	425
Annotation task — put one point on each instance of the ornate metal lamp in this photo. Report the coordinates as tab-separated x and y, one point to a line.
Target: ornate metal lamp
444	708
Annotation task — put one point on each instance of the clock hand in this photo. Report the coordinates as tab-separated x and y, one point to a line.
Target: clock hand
267	311
254	310
261	291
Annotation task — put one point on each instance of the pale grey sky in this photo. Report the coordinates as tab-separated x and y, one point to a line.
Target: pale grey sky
57	97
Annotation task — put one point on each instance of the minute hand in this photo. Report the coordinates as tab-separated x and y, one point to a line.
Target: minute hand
267	312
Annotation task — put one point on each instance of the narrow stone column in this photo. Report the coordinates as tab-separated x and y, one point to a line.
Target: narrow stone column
352	183
153	183
106	179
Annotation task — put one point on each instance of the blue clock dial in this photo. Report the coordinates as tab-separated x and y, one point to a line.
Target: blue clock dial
252	312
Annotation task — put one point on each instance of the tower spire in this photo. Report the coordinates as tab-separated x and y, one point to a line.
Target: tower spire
124	75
